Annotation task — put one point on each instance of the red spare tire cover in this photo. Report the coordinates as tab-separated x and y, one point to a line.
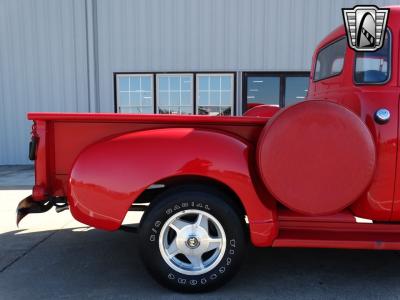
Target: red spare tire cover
316	157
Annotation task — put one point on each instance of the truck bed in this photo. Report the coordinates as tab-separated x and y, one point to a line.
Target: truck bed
67	134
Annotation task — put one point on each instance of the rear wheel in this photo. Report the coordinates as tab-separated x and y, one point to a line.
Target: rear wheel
192	239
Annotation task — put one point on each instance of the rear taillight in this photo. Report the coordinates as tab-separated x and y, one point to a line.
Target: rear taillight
32	148
33	143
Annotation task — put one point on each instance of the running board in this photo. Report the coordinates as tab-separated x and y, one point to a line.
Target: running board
338	239
342	230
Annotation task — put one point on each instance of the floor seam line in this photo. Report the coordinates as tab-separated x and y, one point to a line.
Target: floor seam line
26	252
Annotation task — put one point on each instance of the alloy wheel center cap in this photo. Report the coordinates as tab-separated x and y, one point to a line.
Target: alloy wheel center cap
192	242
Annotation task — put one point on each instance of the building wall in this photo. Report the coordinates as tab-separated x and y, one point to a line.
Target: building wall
61	55
43	67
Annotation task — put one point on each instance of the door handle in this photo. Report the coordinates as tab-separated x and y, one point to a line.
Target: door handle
382	116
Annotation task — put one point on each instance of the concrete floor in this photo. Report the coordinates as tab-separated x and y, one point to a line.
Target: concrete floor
51	256
16	177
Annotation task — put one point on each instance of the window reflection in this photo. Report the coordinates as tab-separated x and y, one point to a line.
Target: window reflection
215	94
135	93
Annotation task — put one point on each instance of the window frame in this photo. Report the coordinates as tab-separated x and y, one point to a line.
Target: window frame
390	60
164	74
282	83
233	80
194	86
323	48
131	74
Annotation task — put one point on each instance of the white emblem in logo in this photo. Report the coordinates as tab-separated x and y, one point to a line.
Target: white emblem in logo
365	27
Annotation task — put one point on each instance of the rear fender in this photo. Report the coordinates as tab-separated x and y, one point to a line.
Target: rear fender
109	176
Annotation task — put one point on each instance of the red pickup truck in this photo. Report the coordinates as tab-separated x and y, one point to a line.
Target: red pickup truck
321	173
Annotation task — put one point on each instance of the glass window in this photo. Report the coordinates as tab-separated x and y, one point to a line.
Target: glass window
263	90
296	89
135	93
373	67
175	94
214	94
330	60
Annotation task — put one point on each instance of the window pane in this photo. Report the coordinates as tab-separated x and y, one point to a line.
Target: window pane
214	94
134	83
203	83
226	111
214	98
177	91
135	91
163	83
263	90
163	99
174	110
373	67
163	110
123	83
124	98
226	98
186	82
135	98
330	60
337	65
146	83
131	110
208	110
146	110
123	109
226	83
203	98
186	98
147	99
175	96
186	110
215	83
174	83
295	89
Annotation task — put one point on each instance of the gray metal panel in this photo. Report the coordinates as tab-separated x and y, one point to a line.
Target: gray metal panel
181	35
43	67
61	55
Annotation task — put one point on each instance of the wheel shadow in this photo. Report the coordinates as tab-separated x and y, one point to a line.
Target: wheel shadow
85	263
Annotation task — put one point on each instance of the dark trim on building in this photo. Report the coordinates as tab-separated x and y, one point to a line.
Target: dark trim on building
115	74
115	93
282	83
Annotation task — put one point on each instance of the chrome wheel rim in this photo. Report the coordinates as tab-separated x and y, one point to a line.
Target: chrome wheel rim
192	242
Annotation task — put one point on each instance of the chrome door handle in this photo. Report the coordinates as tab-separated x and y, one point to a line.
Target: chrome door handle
382	116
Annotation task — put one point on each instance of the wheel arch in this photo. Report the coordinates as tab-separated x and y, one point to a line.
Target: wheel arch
178	181
109	176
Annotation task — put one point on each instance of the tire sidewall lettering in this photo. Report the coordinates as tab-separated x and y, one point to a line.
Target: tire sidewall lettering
217	271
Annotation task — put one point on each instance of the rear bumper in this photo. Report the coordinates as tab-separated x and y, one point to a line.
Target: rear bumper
28	206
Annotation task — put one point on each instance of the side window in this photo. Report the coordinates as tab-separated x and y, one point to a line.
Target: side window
330	60
373	67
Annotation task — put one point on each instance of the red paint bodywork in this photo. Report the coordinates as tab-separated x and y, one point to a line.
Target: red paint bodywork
102	163
262	111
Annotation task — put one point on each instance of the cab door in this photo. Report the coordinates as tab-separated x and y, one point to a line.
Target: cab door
375	98
396	200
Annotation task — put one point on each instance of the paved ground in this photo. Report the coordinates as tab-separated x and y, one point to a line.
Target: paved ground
16	177
52	256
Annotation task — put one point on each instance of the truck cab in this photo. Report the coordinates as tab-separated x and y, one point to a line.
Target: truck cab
367	84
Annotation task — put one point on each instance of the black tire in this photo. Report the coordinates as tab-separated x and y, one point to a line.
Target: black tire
179	201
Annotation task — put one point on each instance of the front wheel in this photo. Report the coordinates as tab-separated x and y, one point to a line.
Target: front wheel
192	239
